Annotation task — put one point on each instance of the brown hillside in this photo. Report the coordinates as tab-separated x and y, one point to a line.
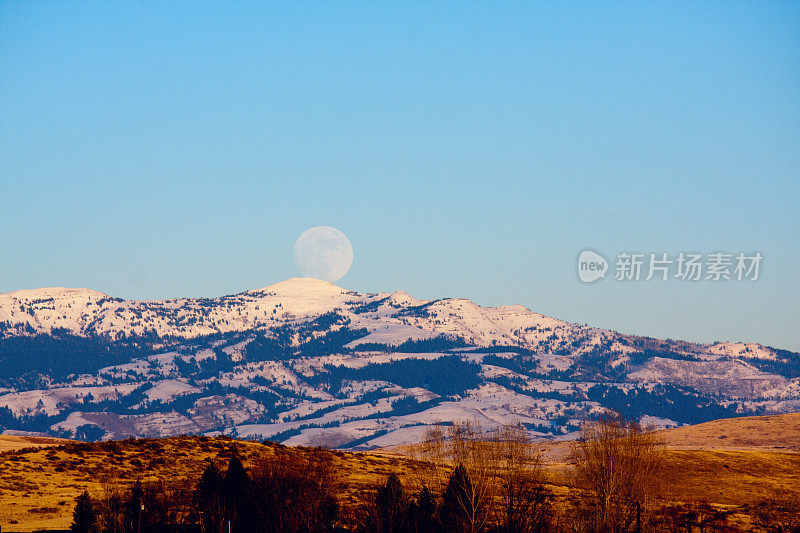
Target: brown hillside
777	432
39	486
755	460
15	442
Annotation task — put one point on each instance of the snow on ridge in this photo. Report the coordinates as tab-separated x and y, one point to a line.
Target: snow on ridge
401	297
741	349
735	378
303	287
399	318
394	334
536	370
167	389
52	401
390	318
53	292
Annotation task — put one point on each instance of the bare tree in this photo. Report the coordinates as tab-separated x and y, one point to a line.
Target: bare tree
433	459
167	503
111	509
466	445
296	492
617	464
502	476
524	502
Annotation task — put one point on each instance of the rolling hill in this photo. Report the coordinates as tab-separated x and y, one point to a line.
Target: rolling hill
40	484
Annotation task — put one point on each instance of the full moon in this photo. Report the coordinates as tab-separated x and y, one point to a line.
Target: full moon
323	252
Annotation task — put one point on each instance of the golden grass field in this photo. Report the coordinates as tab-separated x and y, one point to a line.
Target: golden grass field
39	485
13	442
778	433
728	463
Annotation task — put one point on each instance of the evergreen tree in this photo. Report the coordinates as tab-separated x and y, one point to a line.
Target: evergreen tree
210	500
425	512
83	517
461	510
236	491
392	506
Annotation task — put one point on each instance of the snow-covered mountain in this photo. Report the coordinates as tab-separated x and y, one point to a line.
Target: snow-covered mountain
307	362
389	317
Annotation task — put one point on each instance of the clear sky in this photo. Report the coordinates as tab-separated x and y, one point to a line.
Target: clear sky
162	149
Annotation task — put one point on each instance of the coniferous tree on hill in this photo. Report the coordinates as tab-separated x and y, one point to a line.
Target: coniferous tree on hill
462	510
390	510
392	505
237	493
209	500
425	512
84	517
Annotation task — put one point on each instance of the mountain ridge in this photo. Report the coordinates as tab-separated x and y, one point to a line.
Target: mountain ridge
308	362
302	287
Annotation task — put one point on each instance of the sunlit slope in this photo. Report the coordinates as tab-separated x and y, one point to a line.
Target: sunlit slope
778	432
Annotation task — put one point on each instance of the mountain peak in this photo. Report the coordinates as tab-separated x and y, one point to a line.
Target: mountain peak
304	286
401	297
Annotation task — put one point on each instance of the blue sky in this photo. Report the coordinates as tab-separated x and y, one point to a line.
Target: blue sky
163	149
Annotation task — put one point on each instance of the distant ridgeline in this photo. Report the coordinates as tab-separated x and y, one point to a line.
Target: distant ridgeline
306	362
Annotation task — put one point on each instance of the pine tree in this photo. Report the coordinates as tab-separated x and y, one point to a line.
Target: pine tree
425	512
238	501
392	506
461	510
210	499
83	517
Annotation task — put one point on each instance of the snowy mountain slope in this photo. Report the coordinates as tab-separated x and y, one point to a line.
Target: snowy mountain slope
306	362
391	318
84	312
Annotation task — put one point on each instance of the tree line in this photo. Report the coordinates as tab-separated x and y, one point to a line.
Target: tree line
465	480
